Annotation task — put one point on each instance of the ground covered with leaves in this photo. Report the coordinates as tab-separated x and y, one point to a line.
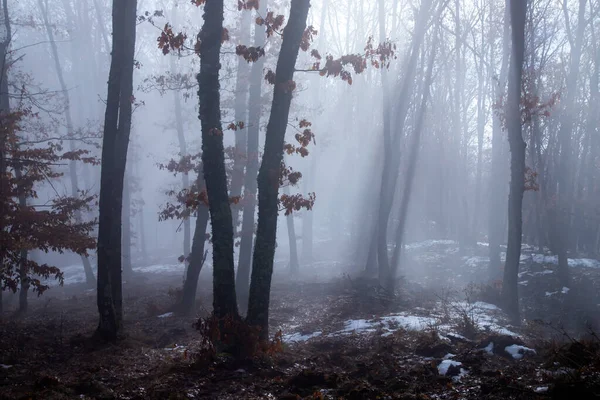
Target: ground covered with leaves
343	337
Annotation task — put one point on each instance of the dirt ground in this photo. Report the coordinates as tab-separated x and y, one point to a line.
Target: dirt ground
50	354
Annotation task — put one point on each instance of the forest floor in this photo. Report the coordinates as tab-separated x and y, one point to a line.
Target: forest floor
439	338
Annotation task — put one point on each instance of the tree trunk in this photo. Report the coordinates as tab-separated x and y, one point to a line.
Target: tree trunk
185	179
518	12
497	183
565	175
89	274
410	173
391	162
117	126
198	254
242	279
270	170
213	160
4	111
126	223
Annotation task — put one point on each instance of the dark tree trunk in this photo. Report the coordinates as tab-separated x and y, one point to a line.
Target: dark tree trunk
117	126
198	254
270	170
23	270
213	159
518	12
4	111
242	279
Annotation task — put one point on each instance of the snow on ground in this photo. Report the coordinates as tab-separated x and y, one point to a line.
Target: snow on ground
161	268
517	351
486	317
445	366
429	243
297	337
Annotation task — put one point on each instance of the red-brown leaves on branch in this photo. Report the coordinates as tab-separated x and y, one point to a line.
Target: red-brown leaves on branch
287	175
250	54
247	5
147	16
198	3
307	38
185	164
47	227
531	180
531	105
234	126
224	35
379	57
168	40
273	23
288	86
296	202
270	77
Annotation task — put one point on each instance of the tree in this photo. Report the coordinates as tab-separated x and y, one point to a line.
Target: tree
518	12
43	6
242	279
117	127
268	175
213	160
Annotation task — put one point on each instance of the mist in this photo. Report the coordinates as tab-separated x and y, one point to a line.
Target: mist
335	198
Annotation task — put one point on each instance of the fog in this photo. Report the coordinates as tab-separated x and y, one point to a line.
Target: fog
455	160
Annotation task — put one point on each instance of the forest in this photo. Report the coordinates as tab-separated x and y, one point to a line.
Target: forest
300	199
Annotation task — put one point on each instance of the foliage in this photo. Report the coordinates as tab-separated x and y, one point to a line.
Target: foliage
47	227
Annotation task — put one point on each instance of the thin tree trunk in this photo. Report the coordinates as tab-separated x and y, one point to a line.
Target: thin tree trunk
308	215
126	236
392	161
410	173
242	279
89	274
241	114
510	294
4	111
565	175
213	160
197	255
497	183
270	169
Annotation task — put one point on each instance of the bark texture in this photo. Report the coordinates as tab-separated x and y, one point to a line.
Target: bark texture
268	176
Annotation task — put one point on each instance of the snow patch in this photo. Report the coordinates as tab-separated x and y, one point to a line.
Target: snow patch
445	366
160	268
541	389
297	337
429	243
517	351
4	366
166	315
489	348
